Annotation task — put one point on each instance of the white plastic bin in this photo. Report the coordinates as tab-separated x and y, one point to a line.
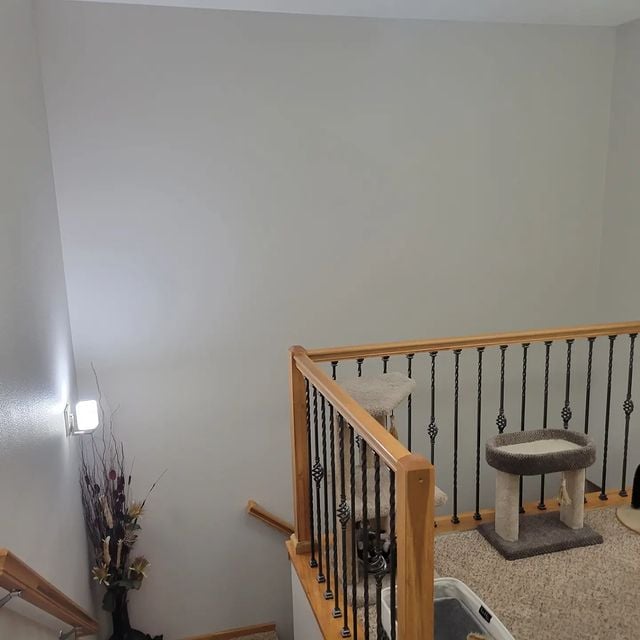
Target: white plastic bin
458	612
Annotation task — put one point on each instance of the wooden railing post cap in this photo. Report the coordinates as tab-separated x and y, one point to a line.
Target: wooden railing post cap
414	462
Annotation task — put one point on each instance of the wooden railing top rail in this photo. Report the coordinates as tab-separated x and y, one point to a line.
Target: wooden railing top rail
270	519
390	450
15	575
466	342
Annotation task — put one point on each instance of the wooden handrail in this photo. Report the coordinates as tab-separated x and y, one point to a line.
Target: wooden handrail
377	437
466	342
15	575
255	510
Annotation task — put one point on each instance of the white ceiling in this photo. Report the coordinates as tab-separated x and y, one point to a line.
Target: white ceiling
568	12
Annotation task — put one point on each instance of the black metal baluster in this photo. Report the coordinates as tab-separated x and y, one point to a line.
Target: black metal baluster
523	408
385	363
364	536
328	594
476	515
360	361
393	558
627	406
318	475
380	563
456	394
501	420
545	412
587	401
409	401
334	367
605	451
354	534
344	515
432	429
336	613
312	562
566	412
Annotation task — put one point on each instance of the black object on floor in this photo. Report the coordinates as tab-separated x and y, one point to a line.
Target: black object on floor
540	534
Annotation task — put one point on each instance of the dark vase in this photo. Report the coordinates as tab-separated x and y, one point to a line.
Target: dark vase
120	615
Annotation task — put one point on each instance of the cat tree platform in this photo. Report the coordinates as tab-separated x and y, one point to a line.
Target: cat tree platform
532	453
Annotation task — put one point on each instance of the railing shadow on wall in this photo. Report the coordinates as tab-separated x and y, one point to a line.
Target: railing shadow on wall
468	389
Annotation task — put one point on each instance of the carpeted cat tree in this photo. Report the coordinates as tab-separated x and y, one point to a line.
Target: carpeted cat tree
630	516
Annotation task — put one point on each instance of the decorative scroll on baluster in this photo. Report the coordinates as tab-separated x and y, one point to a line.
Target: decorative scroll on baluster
393	550
328	594
566	412
354	534
476	515
379	564
587	400
385	364
409	401
545	411
501	420
312	560
456	394
344	515
607	420
627	406
523	407
432	429
336	613
364	535
317	472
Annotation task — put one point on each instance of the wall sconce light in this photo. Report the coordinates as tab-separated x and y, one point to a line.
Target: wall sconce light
84	420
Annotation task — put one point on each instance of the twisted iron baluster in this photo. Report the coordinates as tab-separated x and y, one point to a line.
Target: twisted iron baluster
409	401
328	594
545	412
523	405
566	412
380	564
354	534
336	613
587	401
455	518
476	515
501	420
344	515
603	486
385	363
360	361
334	367
627	406
312	562
364	536
432	429
393	559
318	475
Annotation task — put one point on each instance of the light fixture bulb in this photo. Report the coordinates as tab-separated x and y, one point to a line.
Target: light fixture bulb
87	416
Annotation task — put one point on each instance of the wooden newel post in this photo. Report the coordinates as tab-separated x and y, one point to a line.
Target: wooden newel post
415	495
300	453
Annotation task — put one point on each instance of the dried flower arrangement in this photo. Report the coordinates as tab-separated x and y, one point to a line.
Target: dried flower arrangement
112	520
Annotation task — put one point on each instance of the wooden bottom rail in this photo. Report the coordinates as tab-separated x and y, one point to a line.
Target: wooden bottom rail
330	627
467	521
15	575
240	632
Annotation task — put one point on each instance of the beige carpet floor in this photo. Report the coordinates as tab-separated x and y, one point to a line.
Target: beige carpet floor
590	593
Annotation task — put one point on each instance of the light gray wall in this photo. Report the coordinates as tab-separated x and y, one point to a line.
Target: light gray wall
39	498
231	184
620	258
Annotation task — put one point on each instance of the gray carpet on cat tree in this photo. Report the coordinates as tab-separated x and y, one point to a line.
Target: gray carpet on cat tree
590	592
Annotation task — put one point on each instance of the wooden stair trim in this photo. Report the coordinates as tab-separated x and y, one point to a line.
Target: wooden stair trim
240	632
330	627
16	575
262	514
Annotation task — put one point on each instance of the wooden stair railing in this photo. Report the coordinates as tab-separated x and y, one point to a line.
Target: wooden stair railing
241	632
255	510
17	576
